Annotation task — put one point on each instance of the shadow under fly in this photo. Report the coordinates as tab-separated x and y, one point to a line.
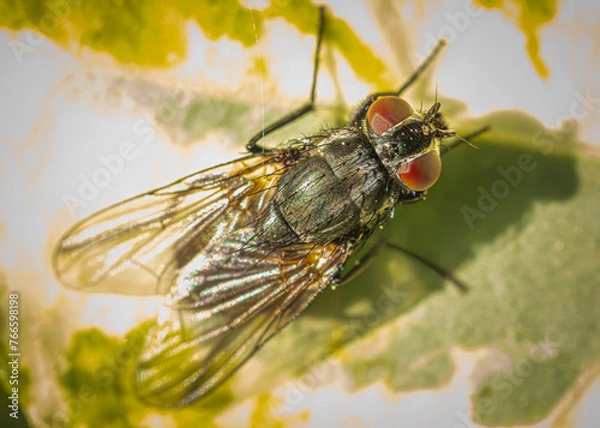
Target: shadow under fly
240	249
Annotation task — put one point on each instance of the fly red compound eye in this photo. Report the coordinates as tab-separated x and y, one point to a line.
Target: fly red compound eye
386	112
421	173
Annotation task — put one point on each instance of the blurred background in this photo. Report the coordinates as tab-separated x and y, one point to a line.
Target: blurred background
104	100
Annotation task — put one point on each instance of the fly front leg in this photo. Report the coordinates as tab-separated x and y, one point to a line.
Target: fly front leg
361	111
253	145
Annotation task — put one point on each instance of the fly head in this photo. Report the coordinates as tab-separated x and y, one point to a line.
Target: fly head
408	142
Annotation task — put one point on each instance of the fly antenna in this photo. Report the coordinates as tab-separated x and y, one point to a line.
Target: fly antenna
466	139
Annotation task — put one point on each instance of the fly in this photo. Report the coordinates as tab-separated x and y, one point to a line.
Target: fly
239	250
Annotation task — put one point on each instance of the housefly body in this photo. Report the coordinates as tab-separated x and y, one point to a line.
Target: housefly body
239	250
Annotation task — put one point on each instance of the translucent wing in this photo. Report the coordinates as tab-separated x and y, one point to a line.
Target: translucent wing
202	241
225	306
138	246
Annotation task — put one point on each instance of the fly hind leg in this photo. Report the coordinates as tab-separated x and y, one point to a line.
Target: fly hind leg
362	264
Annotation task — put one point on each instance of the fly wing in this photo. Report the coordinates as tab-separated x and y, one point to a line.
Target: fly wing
138	246
224	307
203	242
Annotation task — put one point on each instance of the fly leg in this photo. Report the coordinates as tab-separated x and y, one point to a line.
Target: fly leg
361	111
360	266
446	274
253	146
